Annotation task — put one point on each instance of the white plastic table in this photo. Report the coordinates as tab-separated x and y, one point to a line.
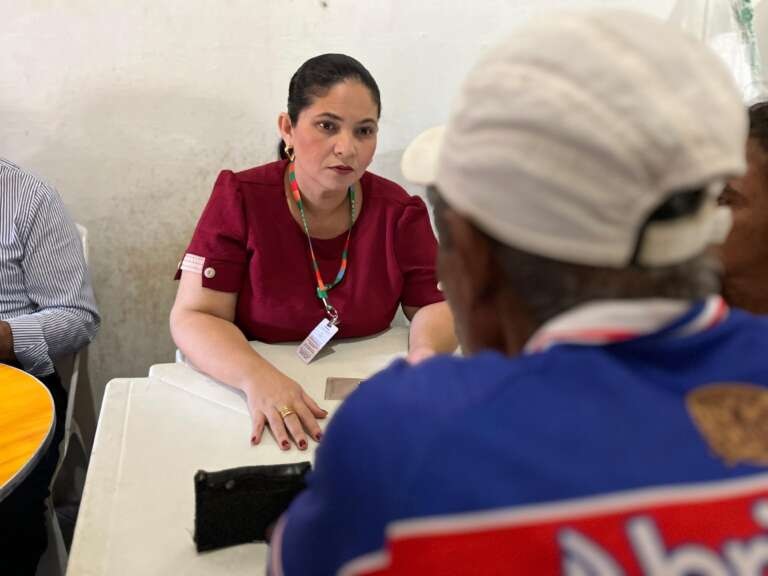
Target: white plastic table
137	512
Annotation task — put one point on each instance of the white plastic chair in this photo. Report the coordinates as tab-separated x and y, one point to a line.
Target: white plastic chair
68	368
54	561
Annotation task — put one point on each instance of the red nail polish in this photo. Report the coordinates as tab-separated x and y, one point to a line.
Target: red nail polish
302	444
286	444
318	436
253	440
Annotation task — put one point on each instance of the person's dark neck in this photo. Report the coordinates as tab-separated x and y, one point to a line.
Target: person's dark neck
749	292
501	324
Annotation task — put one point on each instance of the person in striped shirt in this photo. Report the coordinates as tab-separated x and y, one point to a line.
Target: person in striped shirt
47	311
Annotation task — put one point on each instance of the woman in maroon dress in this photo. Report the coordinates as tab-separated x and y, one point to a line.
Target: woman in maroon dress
283	246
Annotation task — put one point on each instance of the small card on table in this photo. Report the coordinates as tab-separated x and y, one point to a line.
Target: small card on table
340	388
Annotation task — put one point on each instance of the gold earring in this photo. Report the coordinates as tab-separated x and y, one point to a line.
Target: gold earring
289	153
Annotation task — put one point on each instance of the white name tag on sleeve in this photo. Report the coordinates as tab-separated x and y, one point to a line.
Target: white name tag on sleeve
316	340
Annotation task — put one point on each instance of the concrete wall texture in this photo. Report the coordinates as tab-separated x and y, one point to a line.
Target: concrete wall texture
131	108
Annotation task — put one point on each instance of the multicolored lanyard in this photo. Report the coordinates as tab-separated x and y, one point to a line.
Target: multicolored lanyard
322	287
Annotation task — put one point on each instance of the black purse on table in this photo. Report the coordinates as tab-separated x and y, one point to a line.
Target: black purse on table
237	505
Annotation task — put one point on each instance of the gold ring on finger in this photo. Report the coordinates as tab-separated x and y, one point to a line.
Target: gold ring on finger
286	411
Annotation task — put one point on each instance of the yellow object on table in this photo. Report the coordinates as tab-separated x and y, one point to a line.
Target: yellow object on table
26	424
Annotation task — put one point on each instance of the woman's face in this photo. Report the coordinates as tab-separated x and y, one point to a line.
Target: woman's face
334	139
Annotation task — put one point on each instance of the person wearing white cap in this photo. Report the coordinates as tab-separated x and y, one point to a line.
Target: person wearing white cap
609	416
745	252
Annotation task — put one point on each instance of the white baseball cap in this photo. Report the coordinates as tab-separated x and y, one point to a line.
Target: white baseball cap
567	136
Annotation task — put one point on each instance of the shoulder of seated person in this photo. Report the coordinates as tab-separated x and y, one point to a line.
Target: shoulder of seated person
29	184
268	174
378	187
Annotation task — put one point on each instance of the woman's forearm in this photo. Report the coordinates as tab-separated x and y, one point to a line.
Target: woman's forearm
432	329
218	348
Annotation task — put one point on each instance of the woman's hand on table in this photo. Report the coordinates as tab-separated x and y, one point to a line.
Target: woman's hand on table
270	396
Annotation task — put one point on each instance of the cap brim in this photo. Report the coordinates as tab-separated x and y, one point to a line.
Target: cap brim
419	163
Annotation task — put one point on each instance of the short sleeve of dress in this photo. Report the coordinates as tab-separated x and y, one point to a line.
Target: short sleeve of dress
218	250
416	252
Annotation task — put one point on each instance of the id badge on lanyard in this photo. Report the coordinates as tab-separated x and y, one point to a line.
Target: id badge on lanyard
320	335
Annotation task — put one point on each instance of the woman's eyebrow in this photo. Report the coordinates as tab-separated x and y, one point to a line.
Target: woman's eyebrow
332	116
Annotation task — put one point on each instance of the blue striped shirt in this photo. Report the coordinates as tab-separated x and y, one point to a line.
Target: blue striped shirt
45	293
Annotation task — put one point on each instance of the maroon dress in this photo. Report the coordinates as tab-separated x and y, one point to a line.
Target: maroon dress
246	241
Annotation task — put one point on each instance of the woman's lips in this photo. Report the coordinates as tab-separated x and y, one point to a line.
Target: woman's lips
342	169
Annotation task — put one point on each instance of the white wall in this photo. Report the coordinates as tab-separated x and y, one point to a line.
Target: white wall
131	107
